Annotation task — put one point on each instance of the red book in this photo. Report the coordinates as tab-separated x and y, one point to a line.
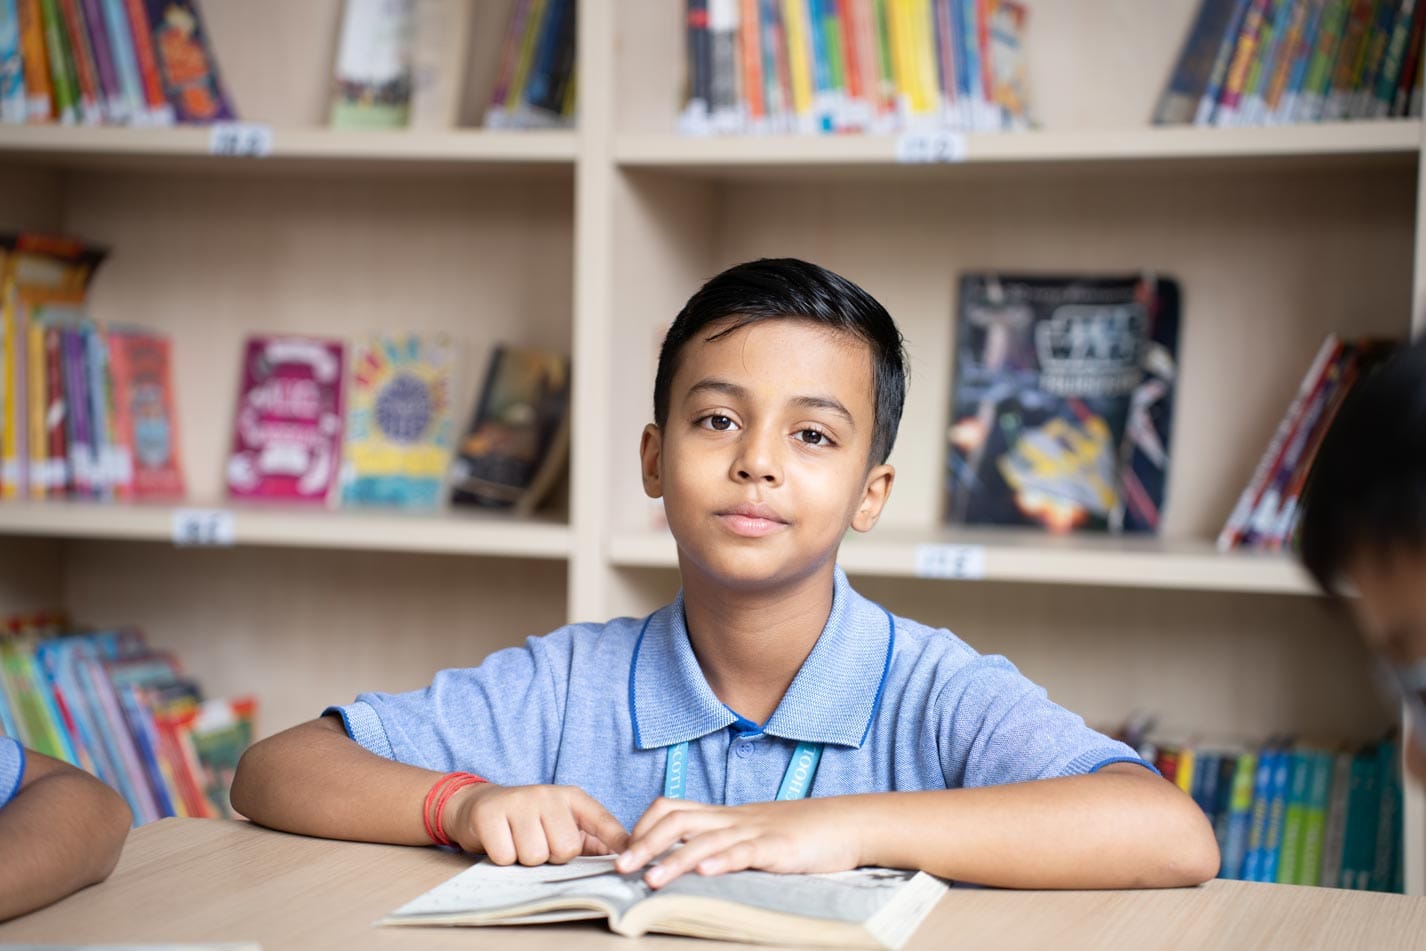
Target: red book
145	424
160	112
91	91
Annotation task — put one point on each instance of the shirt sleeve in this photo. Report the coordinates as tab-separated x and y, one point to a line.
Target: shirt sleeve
12	768
502	720
997	726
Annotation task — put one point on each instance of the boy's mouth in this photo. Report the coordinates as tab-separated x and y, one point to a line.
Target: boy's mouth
752	519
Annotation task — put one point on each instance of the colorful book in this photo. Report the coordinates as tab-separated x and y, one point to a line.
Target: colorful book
63	79
1048	432
400	432
120	39
1245	52
91	93
146	463
287	435
34	56
517	440
372	81
1313	100
159	110
185	62
1240	816
13	106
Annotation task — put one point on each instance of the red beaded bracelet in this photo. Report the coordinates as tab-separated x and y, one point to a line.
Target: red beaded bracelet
440	794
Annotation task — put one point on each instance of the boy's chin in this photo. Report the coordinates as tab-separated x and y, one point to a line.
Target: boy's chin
749	571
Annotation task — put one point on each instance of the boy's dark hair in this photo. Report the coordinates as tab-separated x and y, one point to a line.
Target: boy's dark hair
788	288
1368	488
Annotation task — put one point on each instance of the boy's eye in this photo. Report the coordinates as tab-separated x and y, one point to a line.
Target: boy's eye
814	437
717	422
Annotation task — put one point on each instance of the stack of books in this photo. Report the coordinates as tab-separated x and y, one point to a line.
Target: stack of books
115	62
1277	62
108	703
1296	813
1268	511
535	87
855	66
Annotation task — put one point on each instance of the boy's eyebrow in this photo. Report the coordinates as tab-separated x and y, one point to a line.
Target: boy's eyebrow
728	388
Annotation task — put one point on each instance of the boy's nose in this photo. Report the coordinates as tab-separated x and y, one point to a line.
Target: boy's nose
757	462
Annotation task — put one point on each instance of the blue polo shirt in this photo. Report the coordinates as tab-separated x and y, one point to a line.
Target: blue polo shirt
897	705
12	768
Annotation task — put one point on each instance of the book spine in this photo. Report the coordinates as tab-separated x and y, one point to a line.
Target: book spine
1237	523
1254	857
14	107
794	18
62	78
1207	104
1260	70
510	53
91	96
970	48
1384	855
1291	55
1191	74
10	409
115	24
1287	108
1225	112
833	43
1394	60
1187	760
1312	101
750	65
1402	93
38	450
1276	817
39	89
1350	58
1290	853
160	110
1373	57
115	105
775	69
1335	828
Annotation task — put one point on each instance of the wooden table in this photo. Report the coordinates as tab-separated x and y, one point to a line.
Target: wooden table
199	880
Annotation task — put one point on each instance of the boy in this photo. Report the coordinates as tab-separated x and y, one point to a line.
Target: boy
881	741
1365	521
60	829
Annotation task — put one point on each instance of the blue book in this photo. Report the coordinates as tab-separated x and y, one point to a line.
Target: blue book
1208	102
1287	107
1196	62
1252	866
1277	815
822	91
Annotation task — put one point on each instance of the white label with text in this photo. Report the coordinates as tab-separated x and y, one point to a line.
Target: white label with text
203	528
961	562
240	139
930	146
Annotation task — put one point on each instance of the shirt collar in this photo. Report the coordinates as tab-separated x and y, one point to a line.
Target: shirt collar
832	699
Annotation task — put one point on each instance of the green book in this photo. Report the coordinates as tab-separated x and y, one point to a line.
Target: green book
1314	819
1289	862
63	78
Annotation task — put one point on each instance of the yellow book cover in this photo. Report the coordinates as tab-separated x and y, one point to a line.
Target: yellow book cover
1184	776
799	63
10	394
400	434
527	55
927	90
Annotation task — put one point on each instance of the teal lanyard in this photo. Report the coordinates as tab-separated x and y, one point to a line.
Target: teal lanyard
796	781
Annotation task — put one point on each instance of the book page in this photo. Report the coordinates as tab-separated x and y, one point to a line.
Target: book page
485	889
840	896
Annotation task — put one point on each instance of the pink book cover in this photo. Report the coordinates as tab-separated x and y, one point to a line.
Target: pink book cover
287	437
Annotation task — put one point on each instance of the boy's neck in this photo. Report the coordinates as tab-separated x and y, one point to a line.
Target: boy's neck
751	645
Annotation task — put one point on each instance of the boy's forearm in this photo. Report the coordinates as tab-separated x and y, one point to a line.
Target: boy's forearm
1120	828
314	780
61	833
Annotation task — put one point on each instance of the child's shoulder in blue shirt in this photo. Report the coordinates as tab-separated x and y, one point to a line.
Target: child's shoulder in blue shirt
896	706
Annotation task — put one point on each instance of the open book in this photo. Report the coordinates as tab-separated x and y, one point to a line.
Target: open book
865	908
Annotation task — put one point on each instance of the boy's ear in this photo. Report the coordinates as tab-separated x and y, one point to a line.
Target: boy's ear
874	496
651	460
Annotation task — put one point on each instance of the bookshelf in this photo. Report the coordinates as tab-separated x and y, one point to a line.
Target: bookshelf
592	239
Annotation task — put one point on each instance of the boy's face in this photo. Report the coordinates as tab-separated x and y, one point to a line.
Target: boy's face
763	461
1392	615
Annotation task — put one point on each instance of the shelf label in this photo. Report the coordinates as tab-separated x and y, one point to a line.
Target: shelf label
930	146
240	139
203	527
961	562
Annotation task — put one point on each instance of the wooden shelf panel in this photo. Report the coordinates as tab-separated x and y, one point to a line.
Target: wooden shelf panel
462	533
1034	558
308	147
1181	143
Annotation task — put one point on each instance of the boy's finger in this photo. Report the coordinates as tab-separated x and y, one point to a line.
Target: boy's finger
656	812
564	836
696	850
530	843
496	841
675	827
599	822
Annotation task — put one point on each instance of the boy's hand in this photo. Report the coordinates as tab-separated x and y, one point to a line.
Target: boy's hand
531	825
812	835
